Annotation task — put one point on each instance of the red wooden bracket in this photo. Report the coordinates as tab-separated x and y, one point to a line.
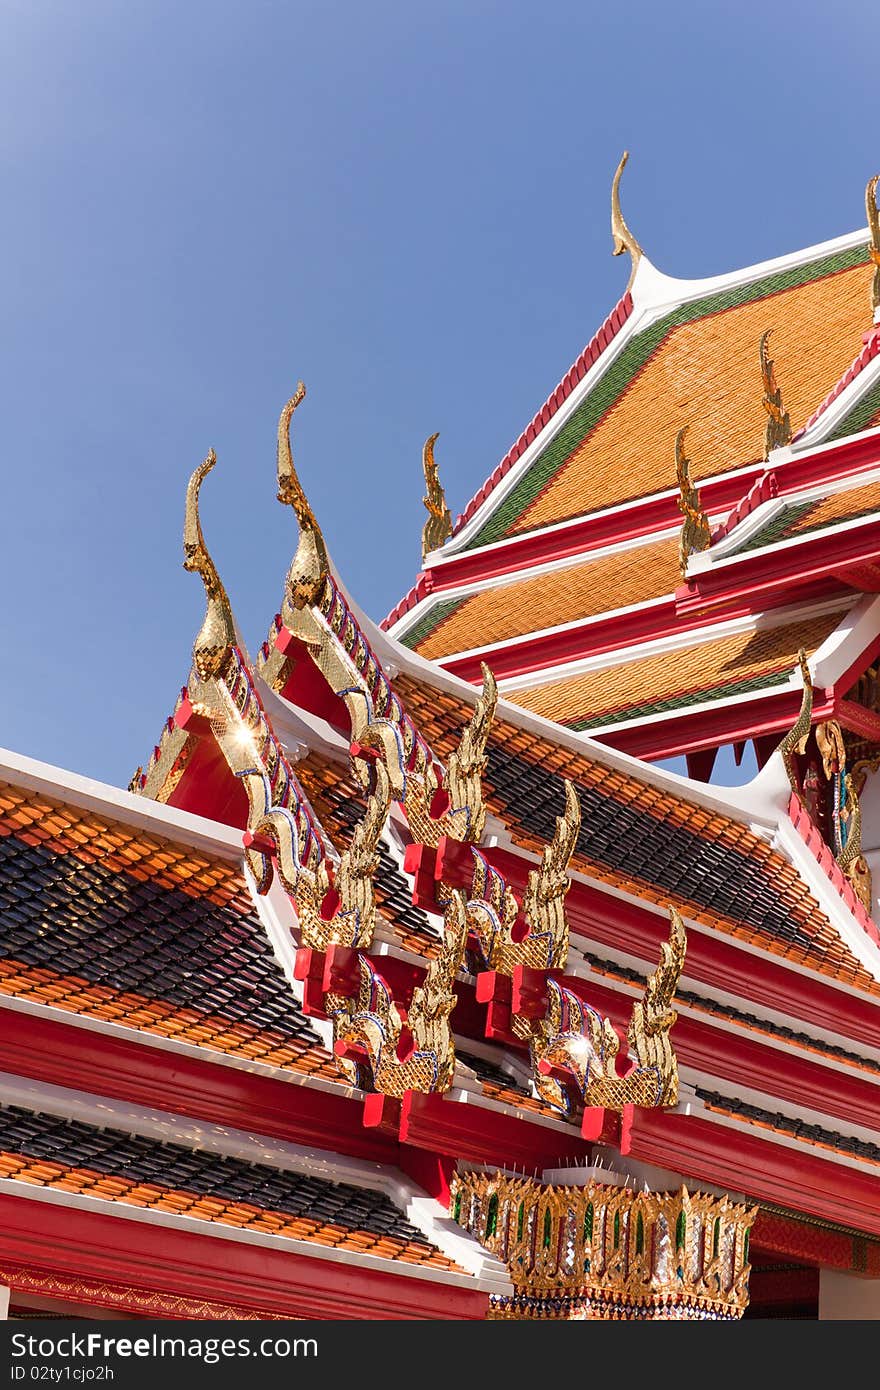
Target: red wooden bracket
494	990
342	971
382	1113
262	844
529	995
420	862
309	967
186	718
363	750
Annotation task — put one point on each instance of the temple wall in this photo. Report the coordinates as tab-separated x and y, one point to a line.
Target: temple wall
848	1297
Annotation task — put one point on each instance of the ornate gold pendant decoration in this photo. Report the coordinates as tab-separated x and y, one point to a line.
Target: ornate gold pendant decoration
605	1252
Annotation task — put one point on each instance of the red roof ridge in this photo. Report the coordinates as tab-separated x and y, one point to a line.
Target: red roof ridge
576	373
803	824
871	348
762	490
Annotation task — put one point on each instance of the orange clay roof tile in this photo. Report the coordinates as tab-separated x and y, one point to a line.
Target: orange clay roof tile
560	596
704	372
645	840
713	669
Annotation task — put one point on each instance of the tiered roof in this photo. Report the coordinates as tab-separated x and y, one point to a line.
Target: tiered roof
354	923
563	571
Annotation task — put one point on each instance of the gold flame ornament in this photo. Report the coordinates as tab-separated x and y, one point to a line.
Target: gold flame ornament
778	428
216	637
623	237
695	532
310	565
438	527
874	228
795	741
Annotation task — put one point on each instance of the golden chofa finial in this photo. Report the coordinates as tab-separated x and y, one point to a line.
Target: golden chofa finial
874	228
438	527
695	532
778	428
795	741
217	634
623	237
310	564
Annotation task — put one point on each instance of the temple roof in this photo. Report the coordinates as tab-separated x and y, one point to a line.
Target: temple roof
117	1166
691	360
565	572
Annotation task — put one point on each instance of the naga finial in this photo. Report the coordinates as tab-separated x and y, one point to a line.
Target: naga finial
623	237
874	228
438	527
217	634
310	564
778	428
695	532
795	740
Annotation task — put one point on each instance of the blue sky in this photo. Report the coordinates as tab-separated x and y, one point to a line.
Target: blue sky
405	205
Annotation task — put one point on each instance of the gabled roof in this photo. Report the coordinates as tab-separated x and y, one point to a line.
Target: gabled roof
689	355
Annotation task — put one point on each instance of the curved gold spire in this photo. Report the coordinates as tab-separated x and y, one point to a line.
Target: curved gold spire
623	237
695	531
795	741
217	634
310	564
438	527
874	228
778	429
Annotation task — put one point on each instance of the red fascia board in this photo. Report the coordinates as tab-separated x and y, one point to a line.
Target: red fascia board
69	1242
717	961
478	1134
746	1060
609	632
851	456
141	1074
742	1160
764	571
708	728
800	1240
589	533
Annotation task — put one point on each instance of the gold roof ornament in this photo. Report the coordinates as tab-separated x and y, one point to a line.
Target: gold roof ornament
467	763
795	740
379	1049
874	228
778	428
608	1251
216	637
438	527
310	565
851	859
695	532
623	237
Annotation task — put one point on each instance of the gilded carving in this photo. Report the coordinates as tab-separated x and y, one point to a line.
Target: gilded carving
695	532
874	229
582	1043
438	527
795	741
415	1053
777	431
622	236
603	1251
